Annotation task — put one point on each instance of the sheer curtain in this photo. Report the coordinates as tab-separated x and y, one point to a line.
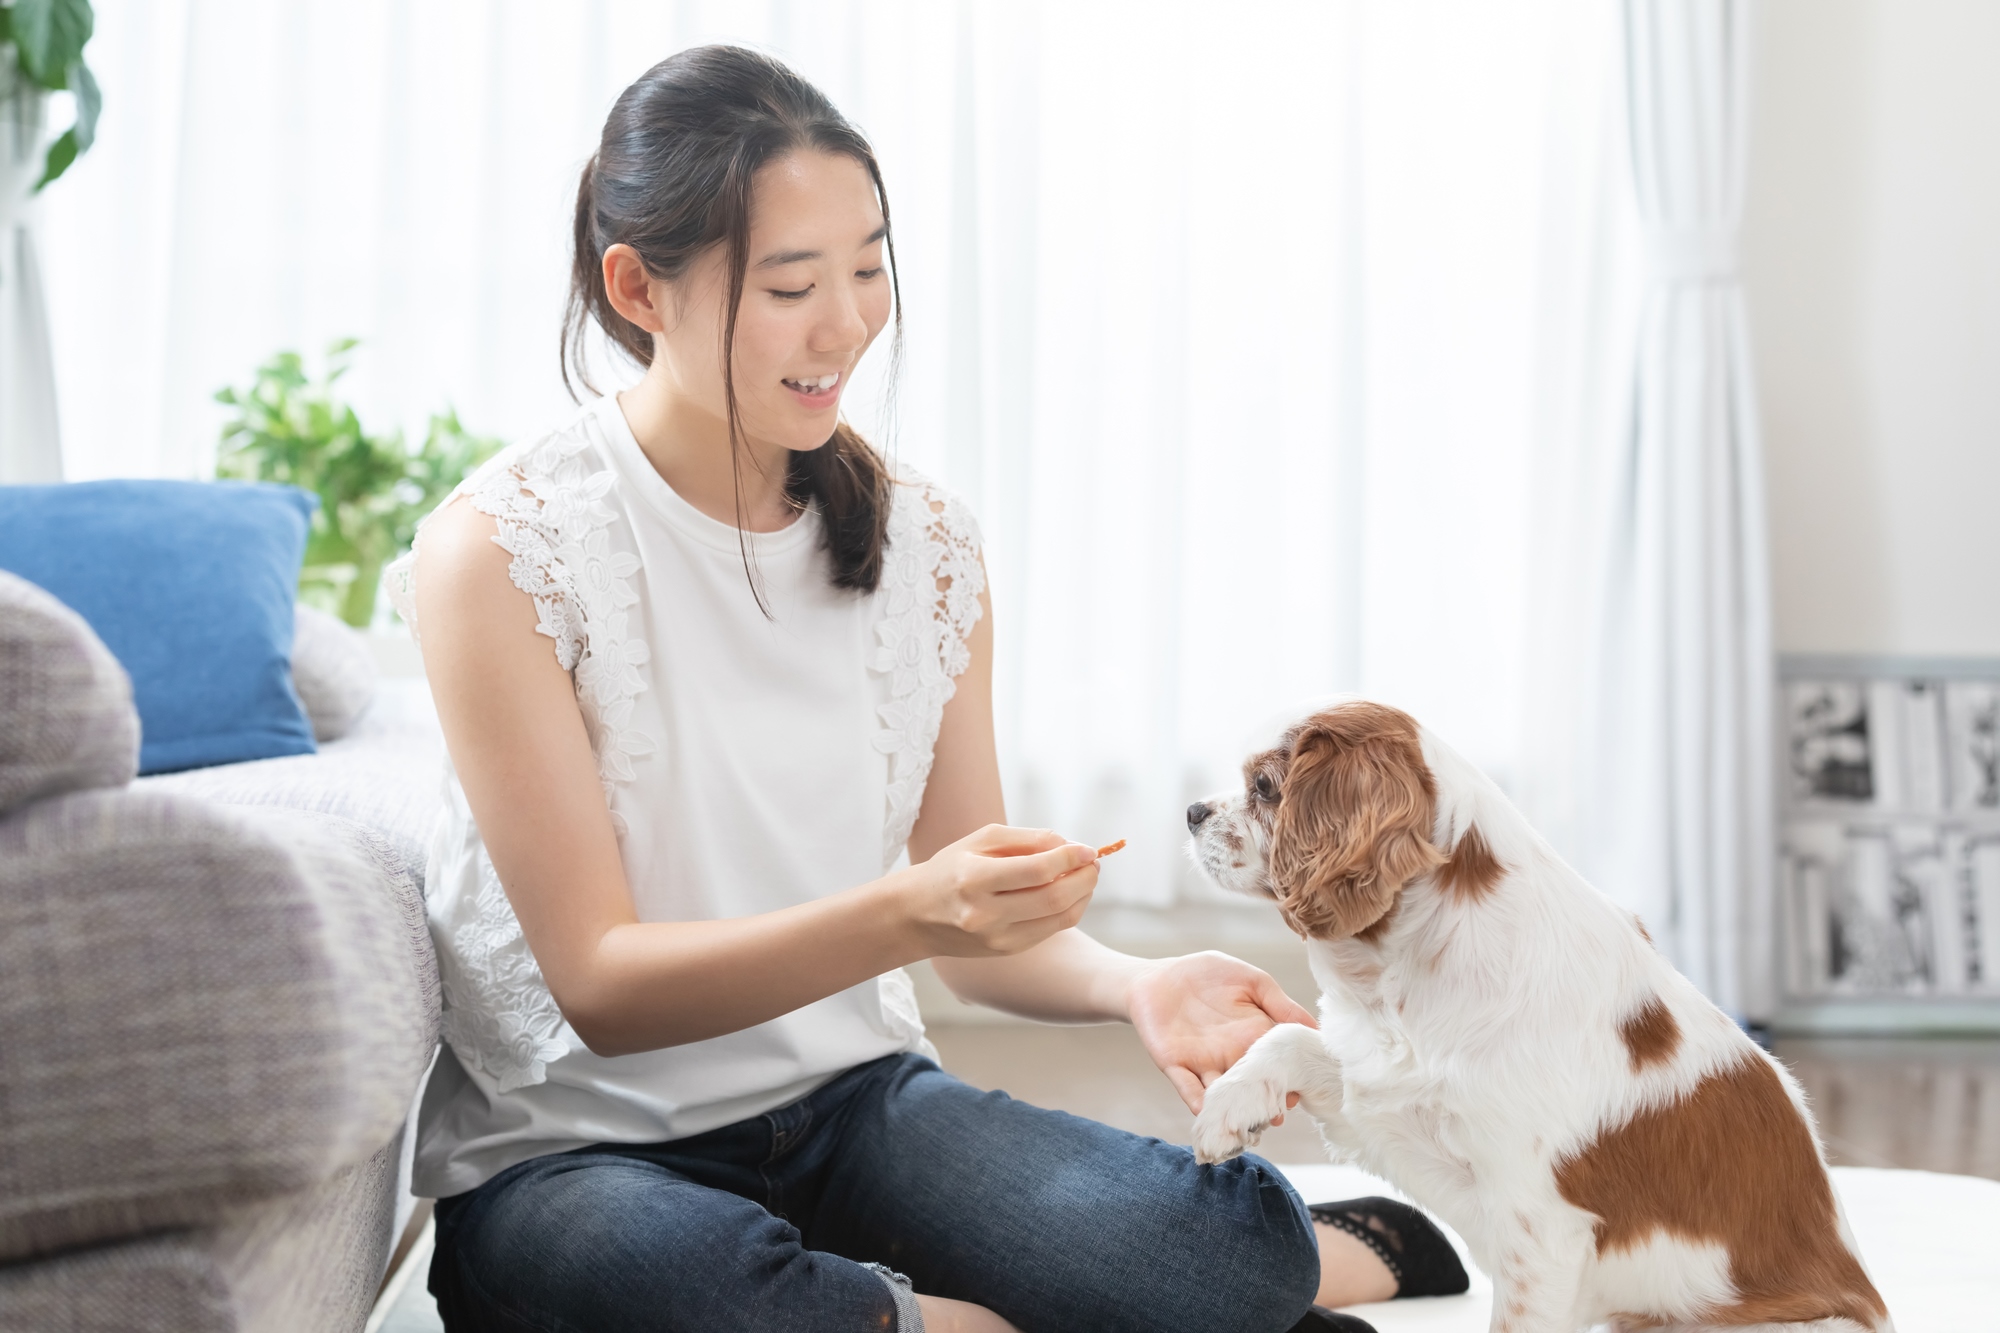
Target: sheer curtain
1223	317
1652	646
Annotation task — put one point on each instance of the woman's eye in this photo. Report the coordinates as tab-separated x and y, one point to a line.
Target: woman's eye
798	295
866	273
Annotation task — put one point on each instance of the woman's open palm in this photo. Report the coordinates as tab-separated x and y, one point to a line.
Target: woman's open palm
1198	1014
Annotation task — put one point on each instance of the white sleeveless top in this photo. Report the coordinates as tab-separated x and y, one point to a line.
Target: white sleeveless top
749	764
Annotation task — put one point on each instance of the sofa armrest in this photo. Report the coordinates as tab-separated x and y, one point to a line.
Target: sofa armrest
199	1008
67	704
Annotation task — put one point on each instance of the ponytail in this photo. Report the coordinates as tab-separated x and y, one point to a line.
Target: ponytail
846	479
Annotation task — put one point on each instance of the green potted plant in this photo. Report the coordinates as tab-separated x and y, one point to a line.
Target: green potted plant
41	51
288	427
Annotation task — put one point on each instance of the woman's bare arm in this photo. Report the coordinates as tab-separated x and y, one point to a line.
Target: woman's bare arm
1068	978
1195	1014
518	742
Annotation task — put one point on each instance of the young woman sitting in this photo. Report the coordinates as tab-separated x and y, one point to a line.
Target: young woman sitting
707	668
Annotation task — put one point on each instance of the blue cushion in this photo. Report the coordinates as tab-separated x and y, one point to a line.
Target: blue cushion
191	585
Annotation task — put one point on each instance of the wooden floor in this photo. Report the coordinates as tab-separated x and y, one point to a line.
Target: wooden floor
1928	1104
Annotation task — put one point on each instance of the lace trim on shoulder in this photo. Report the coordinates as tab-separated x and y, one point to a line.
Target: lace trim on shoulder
398	585
498	1012
553	521
931	581
552	518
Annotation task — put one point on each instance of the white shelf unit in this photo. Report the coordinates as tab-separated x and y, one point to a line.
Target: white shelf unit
1889	844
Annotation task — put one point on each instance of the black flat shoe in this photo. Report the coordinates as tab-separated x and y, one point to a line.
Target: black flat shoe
1415	1252
1319	1319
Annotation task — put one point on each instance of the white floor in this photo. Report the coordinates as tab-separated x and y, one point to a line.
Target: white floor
1931	1242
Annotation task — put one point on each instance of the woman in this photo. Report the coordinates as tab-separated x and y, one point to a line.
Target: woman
705	669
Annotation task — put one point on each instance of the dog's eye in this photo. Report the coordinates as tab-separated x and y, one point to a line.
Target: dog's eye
1264	788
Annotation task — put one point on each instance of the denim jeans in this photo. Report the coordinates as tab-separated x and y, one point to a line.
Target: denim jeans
1055	1222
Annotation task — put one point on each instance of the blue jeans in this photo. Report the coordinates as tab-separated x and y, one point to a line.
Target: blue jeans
1052	1221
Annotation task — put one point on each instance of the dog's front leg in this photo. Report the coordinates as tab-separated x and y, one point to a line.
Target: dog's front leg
1240	1106
1536	1287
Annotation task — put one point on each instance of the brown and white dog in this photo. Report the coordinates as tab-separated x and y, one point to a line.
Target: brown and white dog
1502	1042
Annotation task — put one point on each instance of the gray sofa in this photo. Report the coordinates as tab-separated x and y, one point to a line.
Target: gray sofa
217	1002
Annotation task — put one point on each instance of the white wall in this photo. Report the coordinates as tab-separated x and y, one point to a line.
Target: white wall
1872	260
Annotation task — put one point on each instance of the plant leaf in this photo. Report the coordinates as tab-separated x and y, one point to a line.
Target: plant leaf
76	140
61	153
89	101
49	36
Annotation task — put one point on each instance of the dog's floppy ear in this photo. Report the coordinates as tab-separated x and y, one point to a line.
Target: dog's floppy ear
1354	823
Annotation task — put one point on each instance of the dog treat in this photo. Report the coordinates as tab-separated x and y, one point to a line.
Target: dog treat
1111	847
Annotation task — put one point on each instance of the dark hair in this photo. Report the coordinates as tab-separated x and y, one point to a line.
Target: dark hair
672	177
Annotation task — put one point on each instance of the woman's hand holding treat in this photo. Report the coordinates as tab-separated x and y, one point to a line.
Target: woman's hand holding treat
998	891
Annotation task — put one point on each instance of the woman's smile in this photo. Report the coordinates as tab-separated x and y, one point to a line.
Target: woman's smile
817	392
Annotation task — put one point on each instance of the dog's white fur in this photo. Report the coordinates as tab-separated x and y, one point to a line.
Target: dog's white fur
1472	1047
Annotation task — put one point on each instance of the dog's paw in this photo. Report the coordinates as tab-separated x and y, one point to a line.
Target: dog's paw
1234	1115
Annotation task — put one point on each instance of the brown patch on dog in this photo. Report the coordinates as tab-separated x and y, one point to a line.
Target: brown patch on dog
1354	819
1644	934
1731	1163
1473	870
1650	1034
1373	932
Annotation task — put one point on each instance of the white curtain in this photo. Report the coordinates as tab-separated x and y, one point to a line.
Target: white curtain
1653	642
1223	317
30	450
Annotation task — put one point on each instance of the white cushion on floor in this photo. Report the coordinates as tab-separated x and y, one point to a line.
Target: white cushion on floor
1931	1243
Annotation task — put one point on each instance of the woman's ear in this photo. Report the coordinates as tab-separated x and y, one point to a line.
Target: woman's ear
631	290
1354	823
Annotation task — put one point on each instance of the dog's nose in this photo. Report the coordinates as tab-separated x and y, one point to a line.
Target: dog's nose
1198	812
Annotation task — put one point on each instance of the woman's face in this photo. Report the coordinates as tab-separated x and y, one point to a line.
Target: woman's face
814	296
